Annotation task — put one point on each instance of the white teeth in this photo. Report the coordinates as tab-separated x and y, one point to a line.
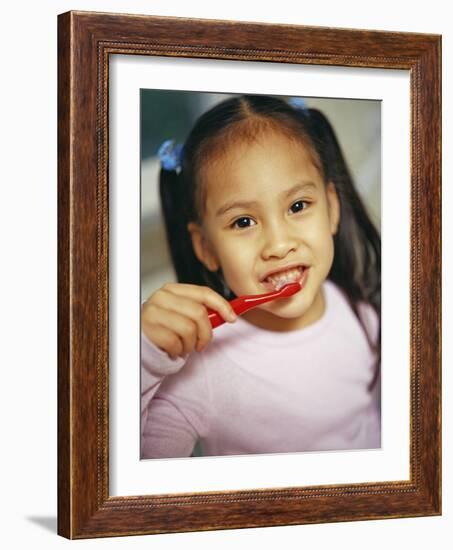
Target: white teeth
279	280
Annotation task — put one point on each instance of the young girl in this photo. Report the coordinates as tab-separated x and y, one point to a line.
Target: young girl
258	196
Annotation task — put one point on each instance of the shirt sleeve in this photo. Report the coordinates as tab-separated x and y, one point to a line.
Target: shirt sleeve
155	364
174	401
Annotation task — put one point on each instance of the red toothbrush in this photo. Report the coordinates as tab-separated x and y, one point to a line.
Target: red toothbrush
244	303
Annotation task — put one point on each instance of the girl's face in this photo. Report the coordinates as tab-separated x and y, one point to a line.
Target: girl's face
269	219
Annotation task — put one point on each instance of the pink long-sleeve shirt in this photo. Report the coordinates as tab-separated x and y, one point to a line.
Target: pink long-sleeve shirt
255	391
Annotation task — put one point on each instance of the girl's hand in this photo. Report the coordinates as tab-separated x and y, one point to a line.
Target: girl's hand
175	318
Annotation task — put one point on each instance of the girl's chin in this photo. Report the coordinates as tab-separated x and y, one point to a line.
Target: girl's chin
282	318
304	304
286	309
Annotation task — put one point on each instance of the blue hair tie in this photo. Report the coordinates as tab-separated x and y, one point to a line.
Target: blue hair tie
299	104
171	154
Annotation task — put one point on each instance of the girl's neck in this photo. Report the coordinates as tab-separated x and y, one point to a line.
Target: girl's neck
269	321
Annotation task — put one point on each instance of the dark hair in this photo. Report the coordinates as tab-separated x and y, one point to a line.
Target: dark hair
356	267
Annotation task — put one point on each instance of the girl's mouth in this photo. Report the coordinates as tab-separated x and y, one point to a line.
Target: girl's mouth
278	279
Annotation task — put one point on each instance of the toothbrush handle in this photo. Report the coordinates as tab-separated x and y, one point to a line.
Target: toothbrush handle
243	303
238	307
215	319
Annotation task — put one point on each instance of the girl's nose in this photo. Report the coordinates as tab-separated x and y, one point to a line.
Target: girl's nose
278	244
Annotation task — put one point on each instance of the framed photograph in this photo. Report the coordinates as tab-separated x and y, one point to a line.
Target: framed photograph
206	163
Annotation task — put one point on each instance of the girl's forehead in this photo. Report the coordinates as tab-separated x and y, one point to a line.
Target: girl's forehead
245	139
270	152
267	165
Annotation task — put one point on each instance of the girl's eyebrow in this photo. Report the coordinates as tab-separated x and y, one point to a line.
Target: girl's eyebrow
301	186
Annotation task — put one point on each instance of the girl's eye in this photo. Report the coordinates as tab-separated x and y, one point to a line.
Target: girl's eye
298	206
243	223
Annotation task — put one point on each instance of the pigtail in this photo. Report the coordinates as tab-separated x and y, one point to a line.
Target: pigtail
360	262
170	187
177	209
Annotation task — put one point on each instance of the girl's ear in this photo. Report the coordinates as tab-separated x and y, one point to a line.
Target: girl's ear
202	248
334	207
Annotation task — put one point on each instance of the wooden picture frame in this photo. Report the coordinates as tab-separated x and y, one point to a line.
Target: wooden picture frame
86	41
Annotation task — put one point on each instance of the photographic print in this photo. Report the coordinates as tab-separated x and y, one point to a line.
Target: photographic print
260	274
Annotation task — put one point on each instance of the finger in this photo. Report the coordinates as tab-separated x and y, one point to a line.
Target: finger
184	327
191	309
204	295
165	339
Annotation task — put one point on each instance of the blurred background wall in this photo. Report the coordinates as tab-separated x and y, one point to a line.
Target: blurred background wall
171	114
